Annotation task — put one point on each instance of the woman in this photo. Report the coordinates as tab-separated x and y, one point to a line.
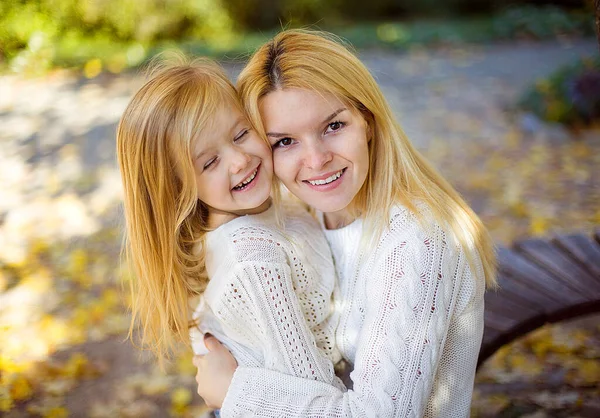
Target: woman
413	259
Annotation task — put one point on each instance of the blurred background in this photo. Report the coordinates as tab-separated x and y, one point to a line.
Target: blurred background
502	96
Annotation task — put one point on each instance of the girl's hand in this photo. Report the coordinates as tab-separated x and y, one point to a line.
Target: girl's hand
215	371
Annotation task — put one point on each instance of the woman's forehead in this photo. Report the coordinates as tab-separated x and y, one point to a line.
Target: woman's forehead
298	106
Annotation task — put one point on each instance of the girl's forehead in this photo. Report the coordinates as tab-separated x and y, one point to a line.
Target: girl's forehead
219	127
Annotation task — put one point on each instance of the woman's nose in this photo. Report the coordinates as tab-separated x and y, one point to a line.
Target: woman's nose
317	155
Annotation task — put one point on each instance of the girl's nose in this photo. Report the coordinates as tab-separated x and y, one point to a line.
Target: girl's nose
317	155
239	160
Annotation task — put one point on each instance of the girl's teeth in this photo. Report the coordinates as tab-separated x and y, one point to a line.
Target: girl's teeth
327	180
248	180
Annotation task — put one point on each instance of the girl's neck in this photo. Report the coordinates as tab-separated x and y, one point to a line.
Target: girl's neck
339	219
217	217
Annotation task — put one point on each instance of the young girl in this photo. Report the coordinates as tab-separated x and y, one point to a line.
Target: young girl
413	259
197	180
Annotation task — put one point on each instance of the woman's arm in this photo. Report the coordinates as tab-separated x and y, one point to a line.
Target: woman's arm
414	292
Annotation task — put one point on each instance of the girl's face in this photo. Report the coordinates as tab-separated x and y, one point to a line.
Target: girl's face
233	166
319	146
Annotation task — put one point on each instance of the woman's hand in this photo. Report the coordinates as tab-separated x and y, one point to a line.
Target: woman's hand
215	371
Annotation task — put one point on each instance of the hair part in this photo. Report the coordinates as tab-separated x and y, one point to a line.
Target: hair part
398	173
165	221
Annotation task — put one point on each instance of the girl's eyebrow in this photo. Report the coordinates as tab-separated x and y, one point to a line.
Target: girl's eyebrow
237	123
327	119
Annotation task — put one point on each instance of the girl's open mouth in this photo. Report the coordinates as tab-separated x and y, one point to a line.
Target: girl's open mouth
248	181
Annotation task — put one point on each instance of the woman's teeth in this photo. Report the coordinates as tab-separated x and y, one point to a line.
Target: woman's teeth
327	180
248	180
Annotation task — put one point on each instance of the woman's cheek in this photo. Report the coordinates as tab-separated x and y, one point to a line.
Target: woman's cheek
282	164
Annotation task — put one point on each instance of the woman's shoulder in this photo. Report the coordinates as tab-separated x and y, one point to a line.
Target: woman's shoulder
414	225
405	219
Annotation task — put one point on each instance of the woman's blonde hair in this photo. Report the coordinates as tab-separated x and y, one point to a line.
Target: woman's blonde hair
165	221
318	61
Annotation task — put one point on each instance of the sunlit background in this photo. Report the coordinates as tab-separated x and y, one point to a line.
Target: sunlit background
502	96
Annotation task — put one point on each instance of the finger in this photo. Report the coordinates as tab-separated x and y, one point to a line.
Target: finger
197	360
211	342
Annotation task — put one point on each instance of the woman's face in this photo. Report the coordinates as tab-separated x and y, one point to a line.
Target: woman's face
319	146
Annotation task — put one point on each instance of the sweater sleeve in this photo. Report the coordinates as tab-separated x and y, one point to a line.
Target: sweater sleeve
412	295
261	303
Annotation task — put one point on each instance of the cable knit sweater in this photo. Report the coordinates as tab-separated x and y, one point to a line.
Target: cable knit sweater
411	324
269	295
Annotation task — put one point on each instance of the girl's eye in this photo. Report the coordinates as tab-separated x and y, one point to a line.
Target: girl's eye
241	135
335	126
283	142
209	163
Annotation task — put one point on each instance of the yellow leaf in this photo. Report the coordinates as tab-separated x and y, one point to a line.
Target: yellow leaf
517	361
110	298
538	226
56	412
587	372
6	403
519	209
180	399
76	365
92	68
20	389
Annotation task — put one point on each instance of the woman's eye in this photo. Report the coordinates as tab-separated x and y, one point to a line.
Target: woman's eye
241	135
283	142
335	126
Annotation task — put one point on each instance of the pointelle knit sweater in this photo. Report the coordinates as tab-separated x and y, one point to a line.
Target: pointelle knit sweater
411	323
269	294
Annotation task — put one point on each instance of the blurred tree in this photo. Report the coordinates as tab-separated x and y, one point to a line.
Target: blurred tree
124	20
597	9
270	14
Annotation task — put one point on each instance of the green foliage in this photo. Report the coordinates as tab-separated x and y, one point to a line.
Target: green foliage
269	14
570	96
60	25
36	35
541	23
398	35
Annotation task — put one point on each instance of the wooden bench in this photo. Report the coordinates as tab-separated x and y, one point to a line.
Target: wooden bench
541	281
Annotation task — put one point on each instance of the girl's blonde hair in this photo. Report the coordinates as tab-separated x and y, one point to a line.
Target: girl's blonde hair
165	221
398	173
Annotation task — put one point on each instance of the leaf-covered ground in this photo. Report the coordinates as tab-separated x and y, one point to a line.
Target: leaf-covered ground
63	318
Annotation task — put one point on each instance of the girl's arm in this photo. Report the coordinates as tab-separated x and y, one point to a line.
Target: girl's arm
415	291
257	303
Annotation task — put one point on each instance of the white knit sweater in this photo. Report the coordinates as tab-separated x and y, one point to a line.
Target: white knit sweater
411	324
269	295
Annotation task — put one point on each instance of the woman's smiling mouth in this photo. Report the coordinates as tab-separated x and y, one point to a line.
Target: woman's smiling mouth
330	179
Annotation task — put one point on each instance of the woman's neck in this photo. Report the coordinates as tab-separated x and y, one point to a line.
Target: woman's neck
339	219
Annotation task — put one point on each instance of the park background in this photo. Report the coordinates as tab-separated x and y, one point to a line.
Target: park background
502	96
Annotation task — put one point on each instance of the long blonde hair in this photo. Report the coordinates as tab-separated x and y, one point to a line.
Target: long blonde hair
165	221
398	173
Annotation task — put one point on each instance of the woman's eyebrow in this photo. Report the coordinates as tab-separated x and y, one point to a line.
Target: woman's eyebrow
334	114
327	119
